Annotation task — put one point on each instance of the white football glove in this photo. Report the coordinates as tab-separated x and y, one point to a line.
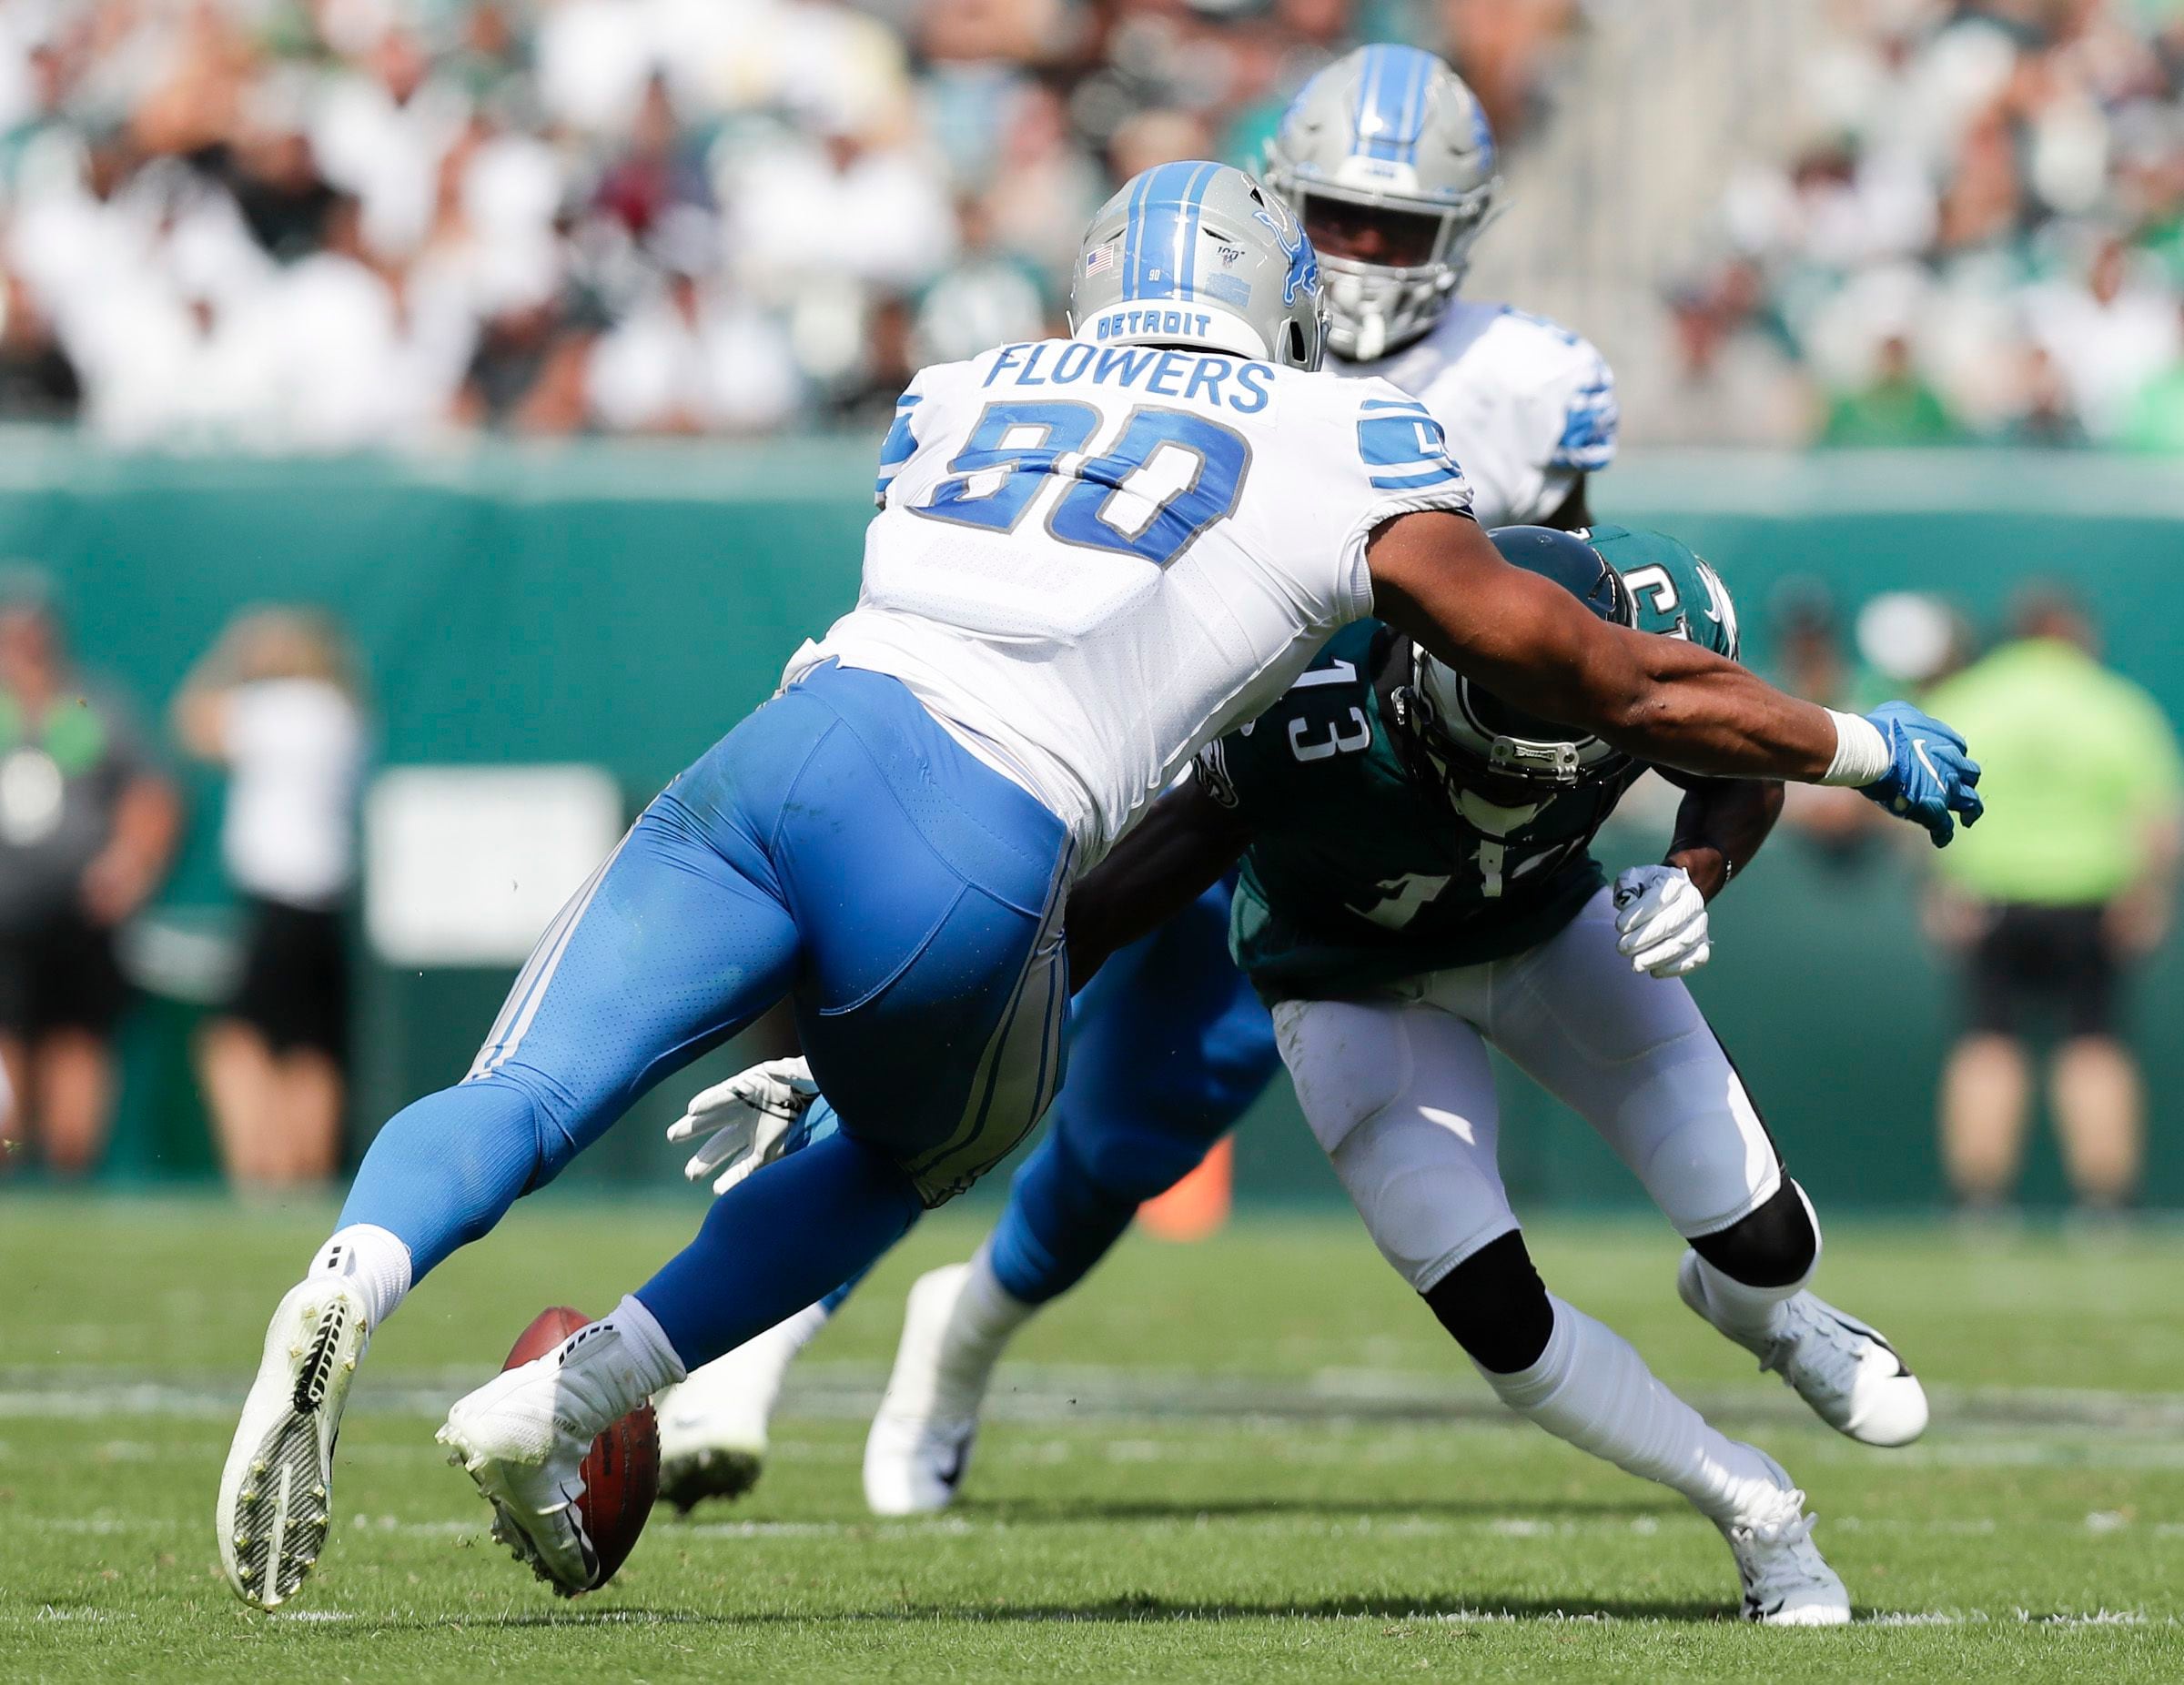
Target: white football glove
749	1118
1661	921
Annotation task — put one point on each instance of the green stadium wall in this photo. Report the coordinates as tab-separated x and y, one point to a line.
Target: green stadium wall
622	605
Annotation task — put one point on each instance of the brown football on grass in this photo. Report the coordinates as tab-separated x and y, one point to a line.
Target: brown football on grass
622	1474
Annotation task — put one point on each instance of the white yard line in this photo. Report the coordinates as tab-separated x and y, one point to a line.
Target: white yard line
1055	1394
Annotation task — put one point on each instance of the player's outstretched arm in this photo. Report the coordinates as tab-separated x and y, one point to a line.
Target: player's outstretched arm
1437	576
1167	861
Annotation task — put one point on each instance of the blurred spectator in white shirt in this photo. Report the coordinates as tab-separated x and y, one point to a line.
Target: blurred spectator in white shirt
275	702
379	132
2110	333
844	207
986	298
692	357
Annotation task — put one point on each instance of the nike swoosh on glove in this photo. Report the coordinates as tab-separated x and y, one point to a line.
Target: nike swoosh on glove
749	1119
1930	778
1661	921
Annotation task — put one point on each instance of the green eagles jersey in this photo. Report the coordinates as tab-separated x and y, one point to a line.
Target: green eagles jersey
1361	870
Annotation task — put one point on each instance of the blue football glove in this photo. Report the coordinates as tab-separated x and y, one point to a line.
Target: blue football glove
1929	776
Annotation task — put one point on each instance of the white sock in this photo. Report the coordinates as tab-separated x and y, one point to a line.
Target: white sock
1591	1388
796	1332
374	1261
652	1360
606	1368
986	1317
1745	1314
762	1364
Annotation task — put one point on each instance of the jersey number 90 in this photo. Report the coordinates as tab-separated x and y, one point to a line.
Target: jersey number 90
1167	476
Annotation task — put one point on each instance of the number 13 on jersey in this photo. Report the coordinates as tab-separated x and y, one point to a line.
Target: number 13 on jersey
1166	477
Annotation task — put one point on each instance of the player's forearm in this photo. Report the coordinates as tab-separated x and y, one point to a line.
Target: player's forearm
1721	826
1533	643
1675	705
1179	850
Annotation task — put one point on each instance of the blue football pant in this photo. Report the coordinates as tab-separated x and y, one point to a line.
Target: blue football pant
1169	1047
840	847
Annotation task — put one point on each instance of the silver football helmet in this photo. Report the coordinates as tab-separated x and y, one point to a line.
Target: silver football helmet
1388	159
1200	253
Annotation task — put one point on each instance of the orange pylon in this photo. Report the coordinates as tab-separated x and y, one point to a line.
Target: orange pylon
1199	1205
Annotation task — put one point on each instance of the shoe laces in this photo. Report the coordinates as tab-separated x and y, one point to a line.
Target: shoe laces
1777	1552
1790	1525
1820	1348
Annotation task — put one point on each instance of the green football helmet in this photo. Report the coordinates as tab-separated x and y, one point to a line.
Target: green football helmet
1490	746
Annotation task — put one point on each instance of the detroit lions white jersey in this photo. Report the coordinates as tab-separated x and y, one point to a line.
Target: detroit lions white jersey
1089	561
1527	405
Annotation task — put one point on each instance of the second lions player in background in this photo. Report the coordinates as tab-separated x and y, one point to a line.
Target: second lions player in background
1387	157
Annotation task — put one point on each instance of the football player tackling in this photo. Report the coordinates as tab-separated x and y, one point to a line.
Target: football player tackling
1418	886
1387	159
1096	556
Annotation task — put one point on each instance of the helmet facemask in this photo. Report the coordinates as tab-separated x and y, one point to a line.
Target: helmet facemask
1483	745
1389	160
1420	253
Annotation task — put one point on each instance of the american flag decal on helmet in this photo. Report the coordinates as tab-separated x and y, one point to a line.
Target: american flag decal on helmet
1100	259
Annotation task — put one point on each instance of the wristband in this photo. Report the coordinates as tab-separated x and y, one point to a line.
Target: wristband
1860	751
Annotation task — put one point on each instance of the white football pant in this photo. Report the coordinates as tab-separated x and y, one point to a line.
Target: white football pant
1397	1088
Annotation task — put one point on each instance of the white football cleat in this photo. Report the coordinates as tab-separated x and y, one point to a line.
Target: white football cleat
712	1426
521	1437
276	1492
1786	1582
921	1439
1852	1377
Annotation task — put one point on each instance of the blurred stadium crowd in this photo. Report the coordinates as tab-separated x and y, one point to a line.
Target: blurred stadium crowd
333	223
1982	235
329	224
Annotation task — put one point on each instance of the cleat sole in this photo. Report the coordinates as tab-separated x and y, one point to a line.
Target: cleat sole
505	1530
278	1519
689	1480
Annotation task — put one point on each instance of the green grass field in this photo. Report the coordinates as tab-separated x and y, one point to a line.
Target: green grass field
1256	1458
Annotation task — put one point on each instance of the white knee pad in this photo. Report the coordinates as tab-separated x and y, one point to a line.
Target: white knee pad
1401	1098
1429	1198
1716	1163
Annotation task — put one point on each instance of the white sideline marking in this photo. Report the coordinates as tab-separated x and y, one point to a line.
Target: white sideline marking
103	1525
1333	1523
1049	1393
94	1526
947	1526
1878	1617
